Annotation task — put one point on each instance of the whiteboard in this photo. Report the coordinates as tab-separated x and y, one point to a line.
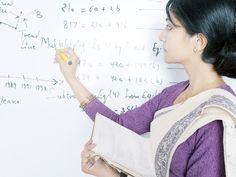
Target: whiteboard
42	128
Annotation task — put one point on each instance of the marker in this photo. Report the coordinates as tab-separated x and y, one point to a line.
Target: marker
64	57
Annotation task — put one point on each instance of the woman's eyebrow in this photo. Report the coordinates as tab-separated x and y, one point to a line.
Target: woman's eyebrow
170	21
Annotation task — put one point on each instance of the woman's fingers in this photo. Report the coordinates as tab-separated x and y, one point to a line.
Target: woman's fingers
69	53
90	162
87	154
89	142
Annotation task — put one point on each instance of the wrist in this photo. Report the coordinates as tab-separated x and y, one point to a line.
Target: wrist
87	100
71	79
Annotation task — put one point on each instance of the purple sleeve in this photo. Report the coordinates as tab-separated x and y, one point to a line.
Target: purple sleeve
137	119
208	154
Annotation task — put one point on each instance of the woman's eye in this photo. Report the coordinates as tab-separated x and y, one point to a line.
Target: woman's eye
168	27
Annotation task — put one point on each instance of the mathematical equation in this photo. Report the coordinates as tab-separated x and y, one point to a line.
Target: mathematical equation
118	47
104	95
95	25
54	89
90	17
69	8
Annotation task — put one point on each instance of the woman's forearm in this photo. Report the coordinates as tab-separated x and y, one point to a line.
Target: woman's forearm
81	93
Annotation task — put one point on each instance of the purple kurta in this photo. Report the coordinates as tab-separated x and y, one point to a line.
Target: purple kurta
201	155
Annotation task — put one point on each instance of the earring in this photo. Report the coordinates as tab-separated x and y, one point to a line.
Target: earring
195	49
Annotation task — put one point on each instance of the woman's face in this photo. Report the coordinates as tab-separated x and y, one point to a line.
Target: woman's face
178	45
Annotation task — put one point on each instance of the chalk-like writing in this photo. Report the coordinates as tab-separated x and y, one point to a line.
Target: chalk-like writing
104	95
26	45
23	77
8	101
66	7
6	3
156	49
94	8
149	95
137	65
26	86
136	79
95	25
4	6
66	95
26	34
20	20
69	8
127	108
130	95
11	85
110	54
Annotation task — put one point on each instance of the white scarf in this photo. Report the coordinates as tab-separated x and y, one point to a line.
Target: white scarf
174	125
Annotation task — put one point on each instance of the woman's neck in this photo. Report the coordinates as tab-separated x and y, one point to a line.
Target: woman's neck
202	77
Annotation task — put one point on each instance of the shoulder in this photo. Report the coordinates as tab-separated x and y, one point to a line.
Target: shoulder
174	89
177	86
227	88
169	94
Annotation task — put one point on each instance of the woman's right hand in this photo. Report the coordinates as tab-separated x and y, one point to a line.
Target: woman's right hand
69	71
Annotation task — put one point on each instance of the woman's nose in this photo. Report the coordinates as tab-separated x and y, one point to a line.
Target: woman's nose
162	36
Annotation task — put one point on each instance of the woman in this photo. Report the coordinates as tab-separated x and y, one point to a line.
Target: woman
201	36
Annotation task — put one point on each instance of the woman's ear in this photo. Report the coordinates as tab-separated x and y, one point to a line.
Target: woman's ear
201	43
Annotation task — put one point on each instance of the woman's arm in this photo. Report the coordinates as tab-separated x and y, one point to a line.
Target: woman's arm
138	119
82	94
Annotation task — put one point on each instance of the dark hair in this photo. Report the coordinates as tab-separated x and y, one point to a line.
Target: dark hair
216	20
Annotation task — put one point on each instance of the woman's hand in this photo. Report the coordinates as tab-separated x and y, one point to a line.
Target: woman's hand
69	71
94	165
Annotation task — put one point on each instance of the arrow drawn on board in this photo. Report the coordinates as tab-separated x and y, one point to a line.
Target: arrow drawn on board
18	17
53	81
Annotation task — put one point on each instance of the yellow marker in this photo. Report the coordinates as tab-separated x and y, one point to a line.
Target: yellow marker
64	57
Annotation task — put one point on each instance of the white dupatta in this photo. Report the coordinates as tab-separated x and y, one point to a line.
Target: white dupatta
174	125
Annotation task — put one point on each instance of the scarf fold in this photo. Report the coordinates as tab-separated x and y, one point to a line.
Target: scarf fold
174	125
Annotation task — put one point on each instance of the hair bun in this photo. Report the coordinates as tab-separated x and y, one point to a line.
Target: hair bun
225	63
